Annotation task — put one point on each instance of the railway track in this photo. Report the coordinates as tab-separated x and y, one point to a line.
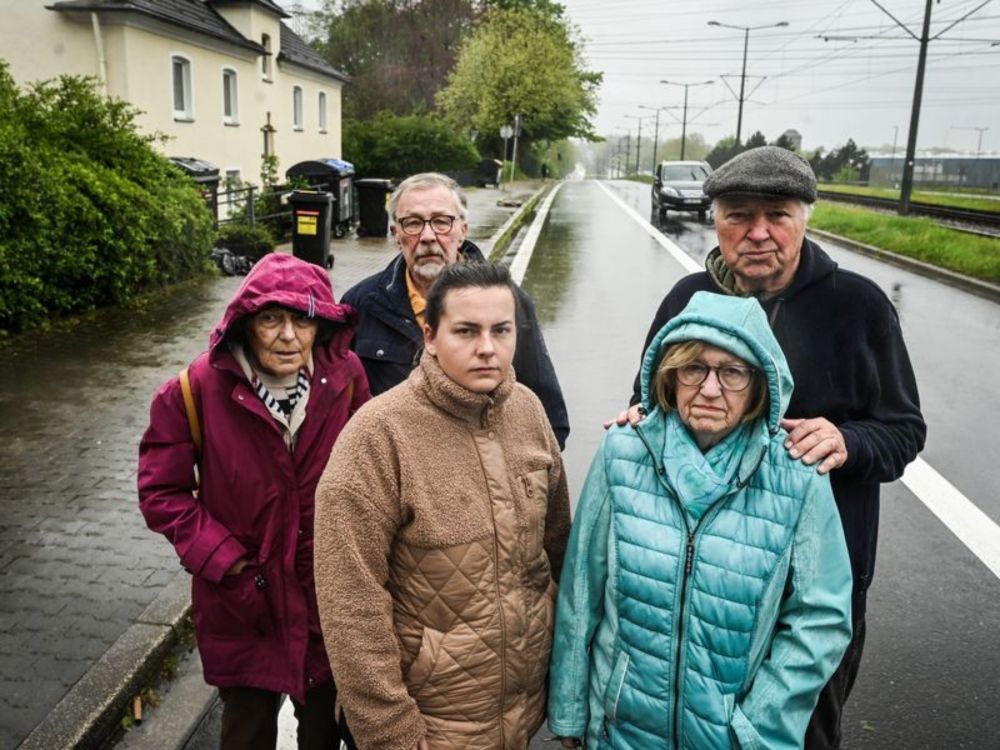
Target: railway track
976	217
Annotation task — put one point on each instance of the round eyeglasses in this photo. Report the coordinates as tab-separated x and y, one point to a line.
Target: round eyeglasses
730	377
414	225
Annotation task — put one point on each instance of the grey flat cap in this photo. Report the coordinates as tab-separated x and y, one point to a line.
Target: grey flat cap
767	170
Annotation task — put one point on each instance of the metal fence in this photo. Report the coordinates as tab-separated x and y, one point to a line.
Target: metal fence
238	204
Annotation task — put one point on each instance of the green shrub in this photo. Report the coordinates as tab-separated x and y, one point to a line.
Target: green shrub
242	239
91	214
391	146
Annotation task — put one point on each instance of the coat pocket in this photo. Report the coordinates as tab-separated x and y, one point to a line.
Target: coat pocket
422	666
616	683
535	486
245	600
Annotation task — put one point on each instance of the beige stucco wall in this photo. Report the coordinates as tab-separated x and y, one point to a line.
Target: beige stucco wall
139	71
39	44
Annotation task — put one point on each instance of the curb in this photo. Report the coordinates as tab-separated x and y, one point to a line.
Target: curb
90	712
496	246
960	281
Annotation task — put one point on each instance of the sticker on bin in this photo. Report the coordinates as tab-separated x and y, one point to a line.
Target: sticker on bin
306	222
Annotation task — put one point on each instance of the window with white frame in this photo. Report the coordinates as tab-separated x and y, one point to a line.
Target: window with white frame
230	97
181	75
297	107
322	111
265	64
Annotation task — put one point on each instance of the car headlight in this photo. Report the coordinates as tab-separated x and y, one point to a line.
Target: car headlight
670	191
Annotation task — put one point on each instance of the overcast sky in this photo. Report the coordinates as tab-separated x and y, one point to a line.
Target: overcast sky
859	85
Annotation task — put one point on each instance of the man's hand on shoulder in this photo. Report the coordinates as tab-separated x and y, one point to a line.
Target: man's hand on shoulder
631	416
815	440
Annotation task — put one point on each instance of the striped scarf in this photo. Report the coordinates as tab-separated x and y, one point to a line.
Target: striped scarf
282	409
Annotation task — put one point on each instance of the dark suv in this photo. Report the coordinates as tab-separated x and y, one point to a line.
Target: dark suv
677	187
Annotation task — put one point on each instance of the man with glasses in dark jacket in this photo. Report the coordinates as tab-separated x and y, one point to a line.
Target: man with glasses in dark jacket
429	222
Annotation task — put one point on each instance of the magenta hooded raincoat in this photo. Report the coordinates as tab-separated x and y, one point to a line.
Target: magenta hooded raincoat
258	628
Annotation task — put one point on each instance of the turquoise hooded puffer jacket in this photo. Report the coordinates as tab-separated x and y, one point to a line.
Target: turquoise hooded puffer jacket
705	598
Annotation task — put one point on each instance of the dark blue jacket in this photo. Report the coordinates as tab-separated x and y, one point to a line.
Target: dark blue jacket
389	340
842	339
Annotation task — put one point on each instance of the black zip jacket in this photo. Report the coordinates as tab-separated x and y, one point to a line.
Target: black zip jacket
389	339
843	343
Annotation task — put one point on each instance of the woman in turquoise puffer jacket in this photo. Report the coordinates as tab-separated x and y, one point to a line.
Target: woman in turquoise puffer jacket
705	596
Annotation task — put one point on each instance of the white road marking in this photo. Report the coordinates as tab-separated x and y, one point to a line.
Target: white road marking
689	263
977	531
519	265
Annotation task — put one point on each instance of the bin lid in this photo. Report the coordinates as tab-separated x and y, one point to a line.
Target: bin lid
321	167
195	167
375	182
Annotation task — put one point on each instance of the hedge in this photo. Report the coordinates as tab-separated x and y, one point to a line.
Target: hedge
91	214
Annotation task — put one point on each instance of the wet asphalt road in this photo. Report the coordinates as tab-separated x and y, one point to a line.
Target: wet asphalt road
932	663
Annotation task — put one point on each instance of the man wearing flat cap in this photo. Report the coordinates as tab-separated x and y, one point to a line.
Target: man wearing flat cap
855	411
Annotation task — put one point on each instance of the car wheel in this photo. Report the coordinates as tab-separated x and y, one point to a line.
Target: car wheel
702	216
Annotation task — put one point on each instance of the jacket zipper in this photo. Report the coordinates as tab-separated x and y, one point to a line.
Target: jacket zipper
688	564
685	575
503	628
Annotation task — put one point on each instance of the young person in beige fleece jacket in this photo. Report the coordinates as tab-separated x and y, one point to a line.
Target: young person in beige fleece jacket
441	524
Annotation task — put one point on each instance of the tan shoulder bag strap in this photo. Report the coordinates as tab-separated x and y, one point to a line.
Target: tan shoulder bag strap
192	410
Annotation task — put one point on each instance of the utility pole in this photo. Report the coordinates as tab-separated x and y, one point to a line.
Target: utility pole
925	38
684	121
656	131
743	76
906	189
979	144
638	141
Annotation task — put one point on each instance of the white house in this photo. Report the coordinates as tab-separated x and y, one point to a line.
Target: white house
226	80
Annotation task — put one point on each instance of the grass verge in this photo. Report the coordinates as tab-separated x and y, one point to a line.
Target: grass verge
918	238
953	201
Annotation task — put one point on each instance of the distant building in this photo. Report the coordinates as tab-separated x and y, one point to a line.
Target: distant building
938	170
794	137
226	80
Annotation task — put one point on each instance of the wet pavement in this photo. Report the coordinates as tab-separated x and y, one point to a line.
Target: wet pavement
74	549
77	564
930	673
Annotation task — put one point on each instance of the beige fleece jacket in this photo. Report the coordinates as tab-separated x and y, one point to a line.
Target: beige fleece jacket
441	523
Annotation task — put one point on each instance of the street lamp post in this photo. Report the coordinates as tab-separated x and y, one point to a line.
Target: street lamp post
638	139
656	131
743	76
685	117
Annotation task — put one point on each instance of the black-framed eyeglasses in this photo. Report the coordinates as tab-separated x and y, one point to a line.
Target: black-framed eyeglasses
414	225
730	377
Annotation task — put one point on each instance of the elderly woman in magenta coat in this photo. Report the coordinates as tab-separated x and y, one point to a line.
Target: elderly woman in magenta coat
272	393
705	598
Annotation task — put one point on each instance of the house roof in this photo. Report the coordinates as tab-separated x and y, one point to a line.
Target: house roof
295	50
195	15
200	16
266	4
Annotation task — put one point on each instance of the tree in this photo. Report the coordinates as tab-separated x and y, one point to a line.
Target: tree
784	142
397	52
91	214
392	146
521	61
755	141
723	151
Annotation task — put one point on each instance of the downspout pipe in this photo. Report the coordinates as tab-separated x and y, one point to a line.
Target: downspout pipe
102	61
